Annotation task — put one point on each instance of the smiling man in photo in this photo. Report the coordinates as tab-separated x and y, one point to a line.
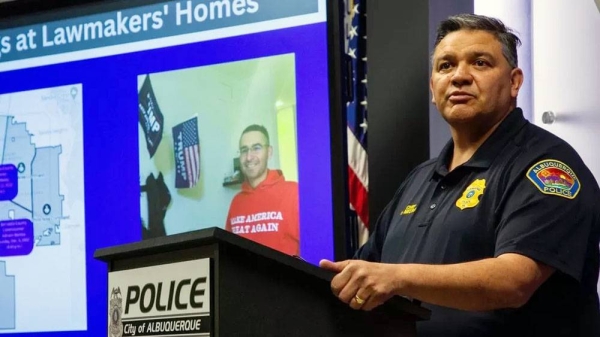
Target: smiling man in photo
266	209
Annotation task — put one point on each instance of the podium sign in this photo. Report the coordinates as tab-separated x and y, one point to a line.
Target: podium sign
162	300
215	283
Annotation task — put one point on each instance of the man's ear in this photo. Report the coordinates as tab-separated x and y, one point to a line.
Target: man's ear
516	81
431	90
270	151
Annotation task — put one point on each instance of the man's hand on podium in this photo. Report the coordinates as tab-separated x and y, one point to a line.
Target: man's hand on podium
361	284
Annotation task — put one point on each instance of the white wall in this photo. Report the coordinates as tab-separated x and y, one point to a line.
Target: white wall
566	58
566	42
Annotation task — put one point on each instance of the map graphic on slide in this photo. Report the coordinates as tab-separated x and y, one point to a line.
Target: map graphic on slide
42	225
45	209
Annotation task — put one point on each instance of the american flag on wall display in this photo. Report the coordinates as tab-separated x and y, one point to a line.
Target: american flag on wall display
356	109
187	153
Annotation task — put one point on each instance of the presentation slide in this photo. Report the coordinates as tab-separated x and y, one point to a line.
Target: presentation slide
128	120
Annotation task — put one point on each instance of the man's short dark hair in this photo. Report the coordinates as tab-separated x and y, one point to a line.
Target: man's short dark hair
259	128
503	34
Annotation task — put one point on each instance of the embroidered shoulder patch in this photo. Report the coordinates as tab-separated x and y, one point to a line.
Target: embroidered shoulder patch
470	197
409	209
555	178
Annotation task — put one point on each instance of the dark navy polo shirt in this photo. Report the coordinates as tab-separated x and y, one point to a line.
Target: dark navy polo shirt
524	191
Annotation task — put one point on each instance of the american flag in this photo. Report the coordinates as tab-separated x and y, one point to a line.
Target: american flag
356	109
187	153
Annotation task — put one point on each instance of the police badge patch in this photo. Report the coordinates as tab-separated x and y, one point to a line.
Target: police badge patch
555	178
470	197
115	312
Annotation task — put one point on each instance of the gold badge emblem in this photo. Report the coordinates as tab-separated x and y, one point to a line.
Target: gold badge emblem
409	209
471	195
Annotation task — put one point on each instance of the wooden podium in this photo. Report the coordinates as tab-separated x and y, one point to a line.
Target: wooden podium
252	290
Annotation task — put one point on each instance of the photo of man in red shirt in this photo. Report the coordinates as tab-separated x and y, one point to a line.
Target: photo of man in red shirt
266	208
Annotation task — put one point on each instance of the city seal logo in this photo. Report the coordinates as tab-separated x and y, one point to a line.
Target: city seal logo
115	311
471	195
555	178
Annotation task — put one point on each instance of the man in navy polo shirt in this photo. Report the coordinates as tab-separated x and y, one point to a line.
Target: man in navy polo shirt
499	235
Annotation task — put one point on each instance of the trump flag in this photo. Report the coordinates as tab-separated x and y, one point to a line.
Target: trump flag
150	117
186	146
